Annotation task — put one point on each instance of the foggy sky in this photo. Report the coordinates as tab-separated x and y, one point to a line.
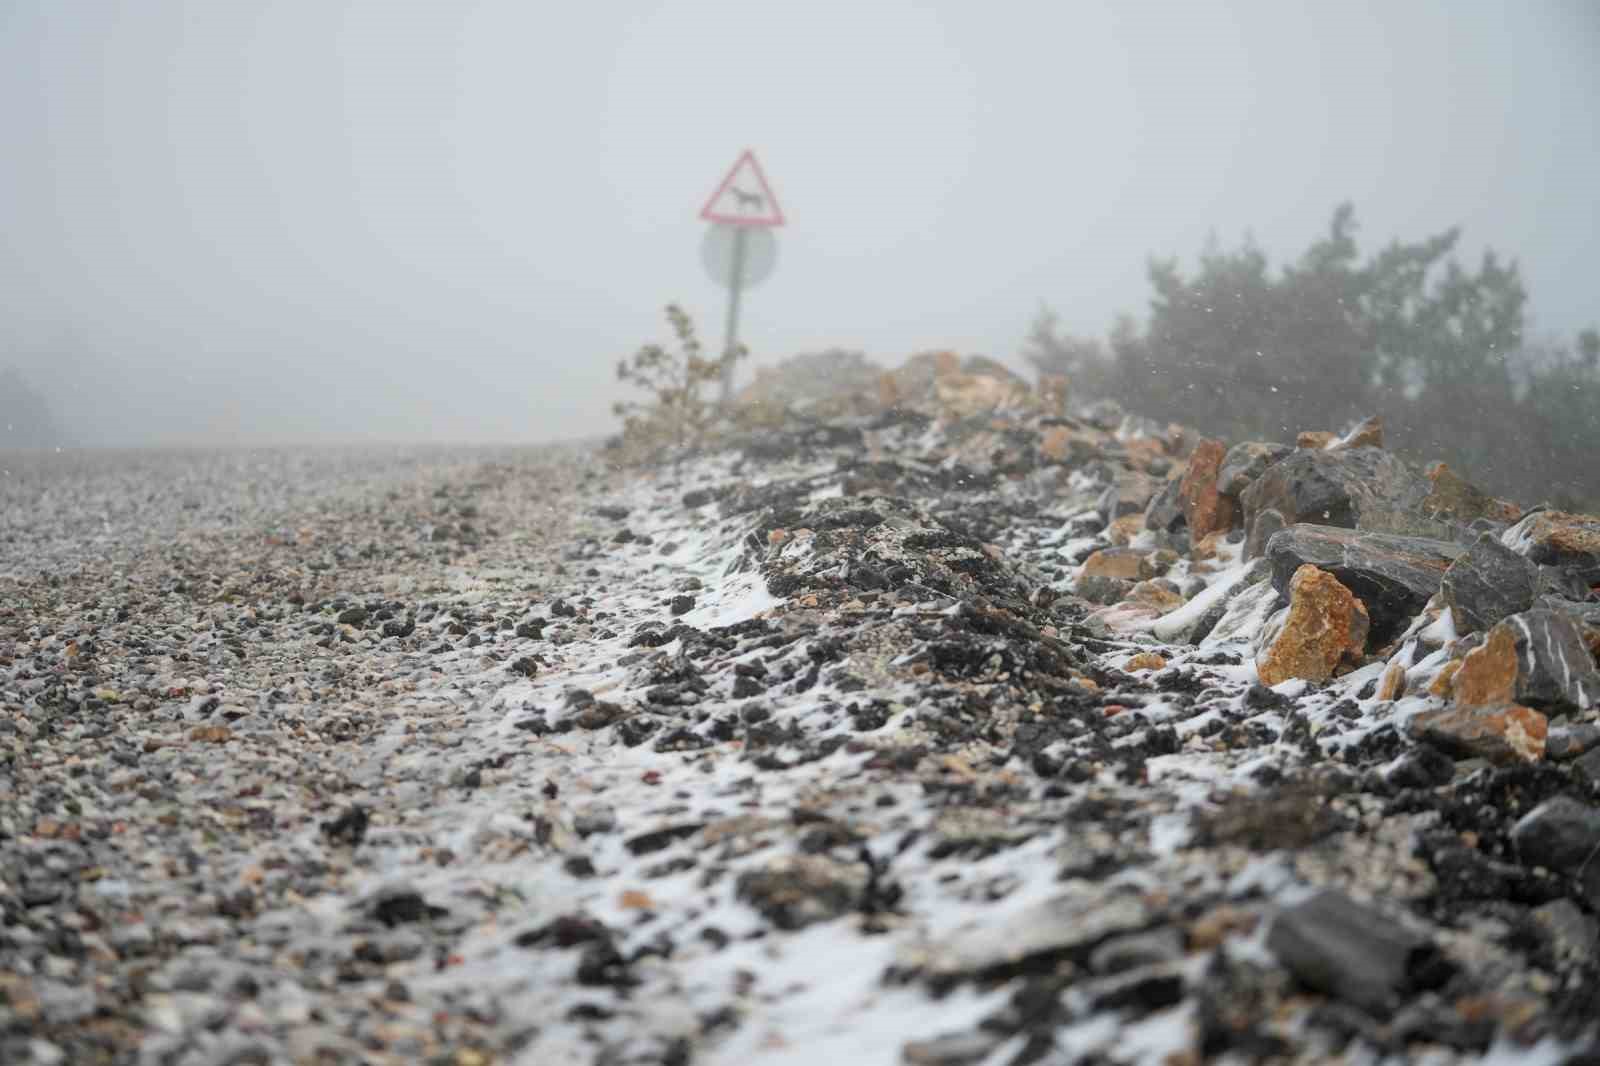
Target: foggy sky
380	219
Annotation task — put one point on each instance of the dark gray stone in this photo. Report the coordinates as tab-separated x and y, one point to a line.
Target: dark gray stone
1103	590
1561	834
1134	950
1555	667
1393	576
799	890
1587	767
1487	582
1262	528
1165	511
1571	741
1129	494
1365	488
1245	462
1353	952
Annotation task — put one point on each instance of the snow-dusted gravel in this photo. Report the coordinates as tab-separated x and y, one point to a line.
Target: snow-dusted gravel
481	756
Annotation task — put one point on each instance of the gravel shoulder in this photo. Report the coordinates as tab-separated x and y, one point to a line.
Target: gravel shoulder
479	756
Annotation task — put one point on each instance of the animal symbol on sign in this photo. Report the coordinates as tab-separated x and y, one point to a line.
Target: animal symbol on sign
752	200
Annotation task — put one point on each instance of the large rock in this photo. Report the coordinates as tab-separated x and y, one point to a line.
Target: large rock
1204	508
1563	834
1394	576
1325	626
1555	538
1355	488
1487	582
1353	952
1537	658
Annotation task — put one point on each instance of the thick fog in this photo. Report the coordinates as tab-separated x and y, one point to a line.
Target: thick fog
230	222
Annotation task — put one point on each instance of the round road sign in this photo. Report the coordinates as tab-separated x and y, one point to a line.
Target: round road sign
751	250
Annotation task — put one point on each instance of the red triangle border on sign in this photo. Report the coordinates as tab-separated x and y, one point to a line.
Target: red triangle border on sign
773	218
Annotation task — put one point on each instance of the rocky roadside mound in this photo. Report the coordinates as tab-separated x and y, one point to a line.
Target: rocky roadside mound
950	729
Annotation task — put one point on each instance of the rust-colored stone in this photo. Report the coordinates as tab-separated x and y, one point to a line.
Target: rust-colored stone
1144	660
1208	546
1144	452
1368	434
1488	674
1392	685
1153	593
1326	625
1123	530
1506	734
1055	443
1444	680
1204	508
1218	924
1114	562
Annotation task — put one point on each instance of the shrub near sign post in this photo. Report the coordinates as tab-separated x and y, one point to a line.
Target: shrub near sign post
739	249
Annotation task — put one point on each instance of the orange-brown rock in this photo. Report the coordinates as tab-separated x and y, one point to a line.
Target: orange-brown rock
1058	444
1143	452
1123	530
1326	626
1144	660
1488	673
1556	538
1392	685
1208	546
1444	680
1368	434
1204	508
1506	734
1114	562
1315	438
1157	594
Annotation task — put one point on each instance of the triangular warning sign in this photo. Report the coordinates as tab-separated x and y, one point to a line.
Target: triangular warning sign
744	198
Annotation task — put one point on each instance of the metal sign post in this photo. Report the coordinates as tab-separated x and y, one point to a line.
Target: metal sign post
740	249
730	331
